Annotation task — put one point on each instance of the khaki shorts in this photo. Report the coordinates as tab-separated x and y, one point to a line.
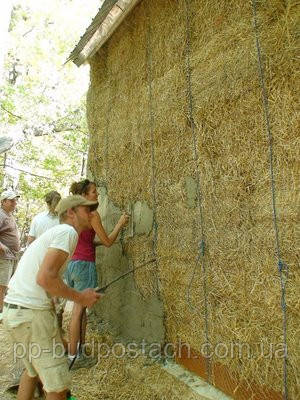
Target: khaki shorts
6	271
37	341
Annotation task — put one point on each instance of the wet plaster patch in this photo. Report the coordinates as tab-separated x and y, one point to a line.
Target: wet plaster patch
142	218
128	315
191	191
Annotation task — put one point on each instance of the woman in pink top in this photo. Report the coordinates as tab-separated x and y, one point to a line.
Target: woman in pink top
81	271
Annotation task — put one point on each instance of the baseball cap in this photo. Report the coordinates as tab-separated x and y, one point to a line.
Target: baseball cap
75	201
8	194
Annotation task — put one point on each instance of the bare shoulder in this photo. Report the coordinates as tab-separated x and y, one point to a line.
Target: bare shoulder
95	217
95	214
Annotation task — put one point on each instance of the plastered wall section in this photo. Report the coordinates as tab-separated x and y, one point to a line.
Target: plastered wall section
123	311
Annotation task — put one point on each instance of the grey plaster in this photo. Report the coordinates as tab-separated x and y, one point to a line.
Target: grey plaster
122	309
109	212
142	218
191	191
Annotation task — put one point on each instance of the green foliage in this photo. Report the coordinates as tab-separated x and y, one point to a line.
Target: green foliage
42	103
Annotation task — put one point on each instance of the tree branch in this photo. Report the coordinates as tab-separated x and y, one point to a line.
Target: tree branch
10	113
70	147
37	132
85	133
64	129
30	30
26	172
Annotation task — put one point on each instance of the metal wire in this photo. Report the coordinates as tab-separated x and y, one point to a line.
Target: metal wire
108	116
282	267
200	260
153	161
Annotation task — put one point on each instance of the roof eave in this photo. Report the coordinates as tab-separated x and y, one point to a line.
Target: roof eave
112	21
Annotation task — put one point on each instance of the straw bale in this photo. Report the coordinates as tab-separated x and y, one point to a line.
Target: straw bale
145	278
122	372
128	377
97	99
243	287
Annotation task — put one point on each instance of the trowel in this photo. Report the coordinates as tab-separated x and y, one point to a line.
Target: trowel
130	228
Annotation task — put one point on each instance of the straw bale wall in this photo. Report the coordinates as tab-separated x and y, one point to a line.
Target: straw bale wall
142	149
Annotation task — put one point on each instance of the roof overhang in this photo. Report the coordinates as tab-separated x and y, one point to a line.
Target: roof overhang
110	16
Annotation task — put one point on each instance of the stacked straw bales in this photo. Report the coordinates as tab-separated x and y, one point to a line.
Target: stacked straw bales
139	98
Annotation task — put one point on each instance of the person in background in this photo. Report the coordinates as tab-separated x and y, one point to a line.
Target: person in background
28	314
81	271
9	240
46	219
40	224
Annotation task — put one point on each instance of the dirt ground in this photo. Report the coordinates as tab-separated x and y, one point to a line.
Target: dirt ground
6	365
111	378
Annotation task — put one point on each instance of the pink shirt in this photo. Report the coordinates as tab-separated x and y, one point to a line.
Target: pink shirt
85	249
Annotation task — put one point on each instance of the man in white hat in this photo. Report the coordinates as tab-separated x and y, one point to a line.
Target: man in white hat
28	313
9	240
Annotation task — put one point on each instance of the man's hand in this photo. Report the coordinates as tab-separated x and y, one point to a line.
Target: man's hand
89	297
49	279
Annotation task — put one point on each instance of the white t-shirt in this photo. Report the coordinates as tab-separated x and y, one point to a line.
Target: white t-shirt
22	288
42	222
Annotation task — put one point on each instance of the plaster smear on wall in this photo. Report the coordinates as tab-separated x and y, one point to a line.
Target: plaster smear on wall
123	310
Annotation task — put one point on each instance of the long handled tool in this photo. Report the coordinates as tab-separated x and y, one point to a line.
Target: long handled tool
103	288
102	291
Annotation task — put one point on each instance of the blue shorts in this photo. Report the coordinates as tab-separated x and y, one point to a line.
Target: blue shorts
81	275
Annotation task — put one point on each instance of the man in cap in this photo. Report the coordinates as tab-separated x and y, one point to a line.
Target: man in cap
28	313
9	240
